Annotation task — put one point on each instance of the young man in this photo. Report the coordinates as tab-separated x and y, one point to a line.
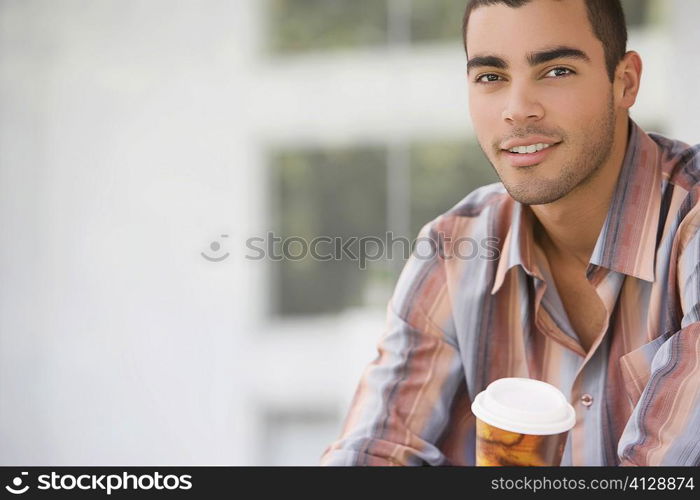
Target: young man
596	285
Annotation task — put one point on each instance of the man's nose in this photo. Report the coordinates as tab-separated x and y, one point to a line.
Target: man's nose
522	106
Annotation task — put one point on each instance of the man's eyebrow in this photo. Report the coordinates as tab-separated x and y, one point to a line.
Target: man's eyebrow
486	61
561	52
533	58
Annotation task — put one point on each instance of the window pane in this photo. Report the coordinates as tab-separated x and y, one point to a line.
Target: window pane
330	193
441	175
437	20
302	25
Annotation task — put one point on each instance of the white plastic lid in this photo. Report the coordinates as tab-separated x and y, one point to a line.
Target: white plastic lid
525	406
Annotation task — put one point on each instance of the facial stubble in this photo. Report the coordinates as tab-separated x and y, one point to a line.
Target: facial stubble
575	172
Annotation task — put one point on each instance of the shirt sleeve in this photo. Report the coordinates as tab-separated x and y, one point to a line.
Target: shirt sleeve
664	427
402	404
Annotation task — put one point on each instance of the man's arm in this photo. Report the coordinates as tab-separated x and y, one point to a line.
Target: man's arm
402	404
664	428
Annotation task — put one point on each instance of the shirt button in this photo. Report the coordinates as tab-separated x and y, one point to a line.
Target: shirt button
586	400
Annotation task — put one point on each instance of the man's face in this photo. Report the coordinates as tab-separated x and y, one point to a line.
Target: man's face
522	92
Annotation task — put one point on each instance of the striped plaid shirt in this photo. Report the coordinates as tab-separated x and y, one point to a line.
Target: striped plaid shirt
457	322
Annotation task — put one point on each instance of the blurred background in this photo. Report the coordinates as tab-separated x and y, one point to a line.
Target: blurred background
142	145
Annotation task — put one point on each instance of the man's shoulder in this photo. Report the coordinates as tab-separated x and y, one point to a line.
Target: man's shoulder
680	161
680	164
484	201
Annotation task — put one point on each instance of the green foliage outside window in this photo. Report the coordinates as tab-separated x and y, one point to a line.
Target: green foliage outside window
297	26
333	193
637	12
343	193
437	20
303	25
442	174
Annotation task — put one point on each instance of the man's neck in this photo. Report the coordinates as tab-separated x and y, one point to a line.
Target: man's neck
569	228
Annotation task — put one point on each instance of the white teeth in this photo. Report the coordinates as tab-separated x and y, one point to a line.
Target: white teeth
533	148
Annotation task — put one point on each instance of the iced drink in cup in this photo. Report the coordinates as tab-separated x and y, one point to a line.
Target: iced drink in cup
522	422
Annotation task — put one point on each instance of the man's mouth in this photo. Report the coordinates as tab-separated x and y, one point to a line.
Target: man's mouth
533	148
526	155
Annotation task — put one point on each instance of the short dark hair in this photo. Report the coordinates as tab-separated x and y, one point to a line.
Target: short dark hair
606	17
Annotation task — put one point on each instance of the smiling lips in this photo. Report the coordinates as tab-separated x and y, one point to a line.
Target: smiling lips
528	152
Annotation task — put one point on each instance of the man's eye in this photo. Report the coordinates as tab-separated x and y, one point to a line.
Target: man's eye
559	72
487	78
555	72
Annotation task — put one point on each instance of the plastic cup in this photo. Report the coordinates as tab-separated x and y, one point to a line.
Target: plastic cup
521	422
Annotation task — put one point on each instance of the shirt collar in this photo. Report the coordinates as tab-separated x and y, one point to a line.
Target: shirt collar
627	240
518	247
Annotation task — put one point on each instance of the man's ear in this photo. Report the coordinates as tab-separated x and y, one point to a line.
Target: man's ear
628	76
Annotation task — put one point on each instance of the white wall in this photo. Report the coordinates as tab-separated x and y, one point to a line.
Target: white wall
124	152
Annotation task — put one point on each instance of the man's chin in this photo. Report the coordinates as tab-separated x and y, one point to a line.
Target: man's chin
527	196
